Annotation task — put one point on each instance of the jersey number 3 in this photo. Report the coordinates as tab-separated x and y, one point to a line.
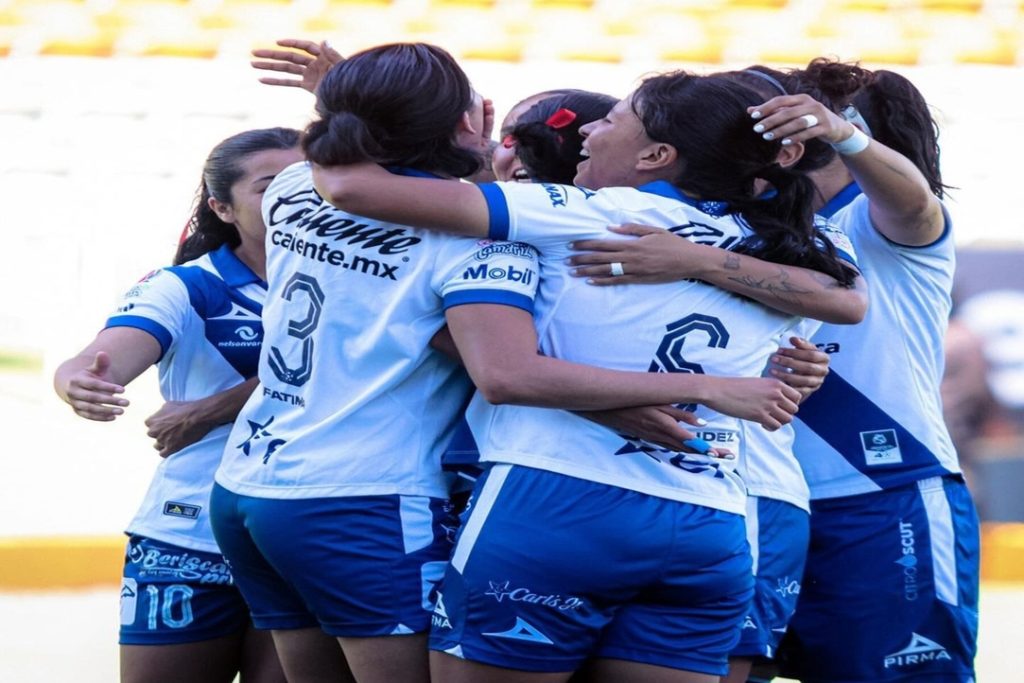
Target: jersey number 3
301	329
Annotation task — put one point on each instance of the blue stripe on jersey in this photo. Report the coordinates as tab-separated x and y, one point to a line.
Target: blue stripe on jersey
146	325
232	321
488	296
842	199
232	270
497	207
857	428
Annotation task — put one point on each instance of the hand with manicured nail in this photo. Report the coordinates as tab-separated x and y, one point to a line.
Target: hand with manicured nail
796	118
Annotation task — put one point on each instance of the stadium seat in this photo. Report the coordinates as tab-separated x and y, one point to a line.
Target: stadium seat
498	51
94	45
197	49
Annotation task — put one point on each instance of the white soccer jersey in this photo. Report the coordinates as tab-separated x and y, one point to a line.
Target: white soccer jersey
770	469
877	421
206	316
693	327
352	399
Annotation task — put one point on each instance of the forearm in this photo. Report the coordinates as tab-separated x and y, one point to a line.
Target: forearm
902	205
129	351
498	345
537	380
223	407
368	190
790	289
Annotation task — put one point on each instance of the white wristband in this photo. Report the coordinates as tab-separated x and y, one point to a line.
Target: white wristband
855	144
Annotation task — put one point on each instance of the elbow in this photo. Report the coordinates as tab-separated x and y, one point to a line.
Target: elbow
497	392
851	314
501	387
330	184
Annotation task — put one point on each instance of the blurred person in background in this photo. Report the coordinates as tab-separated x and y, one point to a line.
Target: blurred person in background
199	321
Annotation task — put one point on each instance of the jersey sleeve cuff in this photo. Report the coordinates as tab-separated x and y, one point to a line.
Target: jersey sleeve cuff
497	208
848	257
158	331
488	296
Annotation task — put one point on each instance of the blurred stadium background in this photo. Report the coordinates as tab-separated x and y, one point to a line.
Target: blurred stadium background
109	107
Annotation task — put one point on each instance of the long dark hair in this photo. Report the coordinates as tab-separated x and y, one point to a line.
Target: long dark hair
550	149
205	231
394	105
768	83
895	110
705	119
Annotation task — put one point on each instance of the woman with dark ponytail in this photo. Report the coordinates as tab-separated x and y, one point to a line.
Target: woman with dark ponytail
778	498
677	153
890	501
206	231
546	138
182	618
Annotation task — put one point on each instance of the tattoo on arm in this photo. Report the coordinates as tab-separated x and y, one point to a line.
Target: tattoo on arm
779	287
732	262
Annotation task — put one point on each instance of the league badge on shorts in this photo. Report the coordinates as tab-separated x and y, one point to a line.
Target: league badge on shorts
881	447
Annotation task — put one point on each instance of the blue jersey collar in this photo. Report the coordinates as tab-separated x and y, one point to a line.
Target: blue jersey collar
841	200
231	269
663	188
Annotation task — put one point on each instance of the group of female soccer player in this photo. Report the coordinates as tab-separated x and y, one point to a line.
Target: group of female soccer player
631	303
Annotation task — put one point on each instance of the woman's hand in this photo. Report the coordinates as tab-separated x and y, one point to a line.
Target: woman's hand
177	424
769	402
657	256
795	118
91	393
659	425
310	65
802	367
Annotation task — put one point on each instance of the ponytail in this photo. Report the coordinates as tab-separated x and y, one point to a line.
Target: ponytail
783	224
721	158
205	231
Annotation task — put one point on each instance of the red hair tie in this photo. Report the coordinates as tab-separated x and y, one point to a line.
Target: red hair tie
561	118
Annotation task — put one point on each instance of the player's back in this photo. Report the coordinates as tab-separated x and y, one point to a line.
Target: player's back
352	400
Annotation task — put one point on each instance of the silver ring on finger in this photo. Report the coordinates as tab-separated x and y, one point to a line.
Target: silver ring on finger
617	269
810	119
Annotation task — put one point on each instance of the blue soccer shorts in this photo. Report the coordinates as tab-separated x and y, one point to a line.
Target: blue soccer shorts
358	566
778	533
549	570
171	594
891	588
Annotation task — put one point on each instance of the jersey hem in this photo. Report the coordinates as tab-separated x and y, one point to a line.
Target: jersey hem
186	542
842	490
292	492
611	479
802	502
